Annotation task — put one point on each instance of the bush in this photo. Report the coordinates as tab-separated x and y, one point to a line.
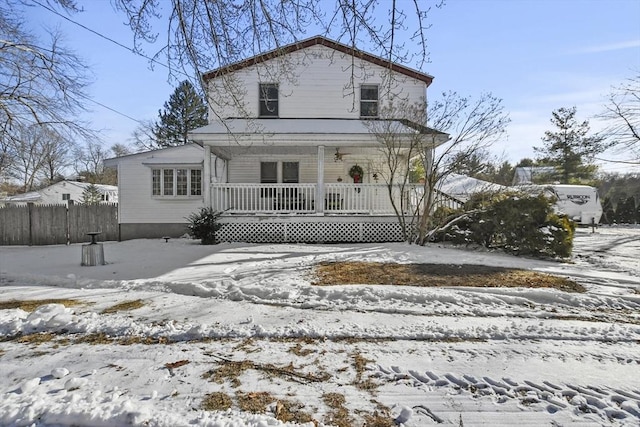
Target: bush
203	225
516	223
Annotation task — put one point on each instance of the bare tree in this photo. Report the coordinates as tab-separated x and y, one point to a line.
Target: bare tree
402	136
89	163
207	35
472	126
119	150
27	151
622	112
42	93
41	82
143	136
57	153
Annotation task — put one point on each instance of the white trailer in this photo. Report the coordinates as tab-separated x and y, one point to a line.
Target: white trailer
581	203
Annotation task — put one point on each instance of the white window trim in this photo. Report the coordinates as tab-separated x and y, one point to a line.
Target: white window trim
261	100
174	190
377	101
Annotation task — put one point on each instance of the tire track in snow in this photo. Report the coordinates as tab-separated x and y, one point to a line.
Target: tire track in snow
606	403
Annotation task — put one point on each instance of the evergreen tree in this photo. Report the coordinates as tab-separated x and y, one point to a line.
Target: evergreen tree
608	213
569	147
91	195
184	111
626	210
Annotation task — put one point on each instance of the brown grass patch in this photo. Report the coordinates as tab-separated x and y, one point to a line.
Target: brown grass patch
290	411
102	338
36	339
217	401
255	402
378	420
338	414
360	365
177	364
124	306
434	275
298	350
31	305
230	370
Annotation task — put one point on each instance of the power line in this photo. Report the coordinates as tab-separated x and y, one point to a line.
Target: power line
626	162
109	39
111	109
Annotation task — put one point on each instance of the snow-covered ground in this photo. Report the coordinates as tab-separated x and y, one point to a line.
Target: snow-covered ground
450	356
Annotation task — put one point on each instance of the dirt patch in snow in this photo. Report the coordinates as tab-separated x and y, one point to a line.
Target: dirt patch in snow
376	273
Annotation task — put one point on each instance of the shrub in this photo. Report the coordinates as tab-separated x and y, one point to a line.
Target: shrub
204	224
516	223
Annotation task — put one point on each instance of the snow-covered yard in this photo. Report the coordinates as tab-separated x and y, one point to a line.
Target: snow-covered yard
240	324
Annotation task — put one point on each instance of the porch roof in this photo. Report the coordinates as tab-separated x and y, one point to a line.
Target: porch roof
283	130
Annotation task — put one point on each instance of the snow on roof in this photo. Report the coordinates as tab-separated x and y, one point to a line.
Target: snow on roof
32	196
462	187
291	126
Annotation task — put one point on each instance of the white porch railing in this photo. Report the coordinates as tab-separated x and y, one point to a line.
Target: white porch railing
371	199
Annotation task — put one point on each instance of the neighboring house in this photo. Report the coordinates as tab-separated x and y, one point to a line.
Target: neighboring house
62	192
277	160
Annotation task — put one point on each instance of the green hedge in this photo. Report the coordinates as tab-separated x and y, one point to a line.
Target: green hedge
515	223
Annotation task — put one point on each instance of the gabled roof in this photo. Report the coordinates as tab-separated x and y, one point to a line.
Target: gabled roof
323	41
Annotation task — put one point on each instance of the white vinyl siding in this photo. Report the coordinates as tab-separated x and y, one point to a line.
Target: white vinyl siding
321	86
138	205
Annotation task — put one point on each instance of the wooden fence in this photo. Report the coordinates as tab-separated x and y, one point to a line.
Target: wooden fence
57	224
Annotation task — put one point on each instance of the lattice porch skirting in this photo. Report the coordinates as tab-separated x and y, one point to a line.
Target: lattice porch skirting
309	229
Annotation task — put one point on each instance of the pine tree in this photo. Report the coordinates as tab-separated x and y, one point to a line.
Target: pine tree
184	111
570	148
91	195
626	210
608	213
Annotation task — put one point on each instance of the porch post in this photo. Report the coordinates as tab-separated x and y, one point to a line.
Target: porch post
320	184
206	176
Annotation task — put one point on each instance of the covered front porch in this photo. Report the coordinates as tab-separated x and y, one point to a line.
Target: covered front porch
320	199
312	213
292	180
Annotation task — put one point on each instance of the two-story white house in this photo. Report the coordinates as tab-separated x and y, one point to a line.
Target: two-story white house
289	154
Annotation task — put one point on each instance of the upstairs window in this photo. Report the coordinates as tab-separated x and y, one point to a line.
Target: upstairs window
369	101
66	196
268	100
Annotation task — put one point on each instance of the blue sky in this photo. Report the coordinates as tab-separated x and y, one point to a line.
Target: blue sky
537	55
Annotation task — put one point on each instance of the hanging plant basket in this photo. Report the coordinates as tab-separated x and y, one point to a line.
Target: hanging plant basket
356	170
